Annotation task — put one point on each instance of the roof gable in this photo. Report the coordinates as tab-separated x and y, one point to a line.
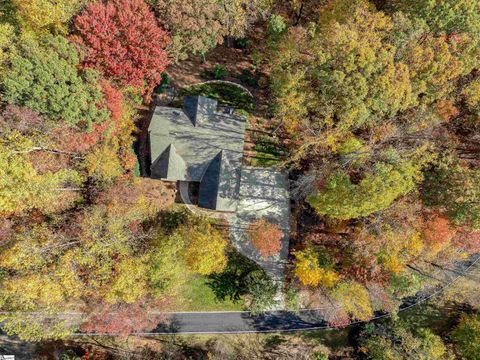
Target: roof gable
199	109
170	165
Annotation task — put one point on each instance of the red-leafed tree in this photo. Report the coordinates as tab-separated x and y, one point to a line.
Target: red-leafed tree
467	240
113	100
123	40
266	237
123	319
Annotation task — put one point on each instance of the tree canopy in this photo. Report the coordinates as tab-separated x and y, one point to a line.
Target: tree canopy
44	76
127	46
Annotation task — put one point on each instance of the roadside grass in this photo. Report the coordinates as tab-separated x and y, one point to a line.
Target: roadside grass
197	295
225	94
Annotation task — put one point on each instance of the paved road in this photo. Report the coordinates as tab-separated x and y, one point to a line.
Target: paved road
240	322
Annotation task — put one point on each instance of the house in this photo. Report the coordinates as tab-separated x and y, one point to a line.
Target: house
201	144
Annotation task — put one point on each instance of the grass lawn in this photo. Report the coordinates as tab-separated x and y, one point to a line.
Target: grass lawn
268	151
225	94
262	159
196	295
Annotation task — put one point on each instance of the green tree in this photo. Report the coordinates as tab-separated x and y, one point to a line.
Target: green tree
44	76
447	16
261	292
395	341
456	188
467	337
342	199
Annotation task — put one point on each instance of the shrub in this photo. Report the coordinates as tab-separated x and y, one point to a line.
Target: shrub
218	72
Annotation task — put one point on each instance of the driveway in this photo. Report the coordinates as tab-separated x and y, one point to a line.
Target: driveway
263	194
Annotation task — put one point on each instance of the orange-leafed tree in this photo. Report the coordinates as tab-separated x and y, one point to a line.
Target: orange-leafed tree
438	233
123	40
266	237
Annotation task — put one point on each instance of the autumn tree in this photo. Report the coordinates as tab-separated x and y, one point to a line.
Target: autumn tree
438	233
205	249
455	187
44	76
127	46
7	35
22	188
266	237
238	15
346	74
353	298
196	26
396	341
123	319
46	15
310	273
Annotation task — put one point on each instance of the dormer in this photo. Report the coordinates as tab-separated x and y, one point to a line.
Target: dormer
199	109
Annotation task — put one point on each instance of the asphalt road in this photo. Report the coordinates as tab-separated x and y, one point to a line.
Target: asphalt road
241	322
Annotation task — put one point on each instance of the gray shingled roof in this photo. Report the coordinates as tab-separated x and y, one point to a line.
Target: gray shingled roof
198	143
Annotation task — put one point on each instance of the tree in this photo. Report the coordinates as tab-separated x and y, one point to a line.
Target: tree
23	189
454	187
342	199
467	336
343	72
103	164
7	34
449	16
127	46
205	249
396	342
35	327
261	292
196	26
266	237
21	119
46	15
239	14
308	270
123	319
438	233
43	75
130	281
353	299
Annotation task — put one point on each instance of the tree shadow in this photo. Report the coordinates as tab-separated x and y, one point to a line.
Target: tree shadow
232	283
